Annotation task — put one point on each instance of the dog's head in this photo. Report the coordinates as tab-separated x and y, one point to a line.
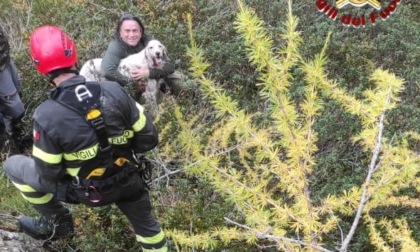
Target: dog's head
156	53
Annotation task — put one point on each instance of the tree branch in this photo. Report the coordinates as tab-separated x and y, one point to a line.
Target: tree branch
365	195
277	239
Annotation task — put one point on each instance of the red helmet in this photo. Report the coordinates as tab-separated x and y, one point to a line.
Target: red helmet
52	49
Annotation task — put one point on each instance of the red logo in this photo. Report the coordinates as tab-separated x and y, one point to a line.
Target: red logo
380	11
36	135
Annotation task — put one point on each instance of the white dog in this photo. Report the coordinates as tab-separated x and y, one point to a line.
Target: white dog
153	55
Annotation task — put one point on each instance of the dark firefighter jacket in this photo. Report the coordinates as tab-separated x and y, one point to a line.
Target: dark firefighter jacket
64	141
10	102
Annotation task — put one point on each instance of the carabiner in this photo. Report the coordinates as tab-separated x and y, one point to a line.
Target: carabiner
92	194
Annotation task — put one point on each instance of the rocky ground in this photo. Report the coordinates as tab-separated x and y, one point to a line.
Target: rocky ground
10	241
13	241
18	242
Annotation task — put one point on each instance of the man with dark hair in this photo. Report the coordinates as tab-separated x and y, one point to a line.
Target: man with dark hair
86	137
130	38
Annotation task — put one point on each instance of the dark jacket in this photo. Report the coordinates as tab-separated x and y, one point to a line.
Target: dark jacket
64	141
118	50
10	103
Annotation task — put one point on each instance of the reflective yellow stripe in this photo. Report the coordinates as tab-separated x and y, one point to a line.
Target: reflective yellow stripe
73	171
24	188
123	139
164	249
151	240
141	122
85	154
47	157
43	200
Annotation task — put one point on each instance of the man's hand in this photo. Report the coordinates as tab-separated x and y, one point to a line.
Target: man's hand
140	72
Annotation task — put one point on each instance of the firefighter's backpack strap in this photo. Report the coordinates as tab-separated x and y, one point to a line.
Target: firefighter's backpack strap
86	100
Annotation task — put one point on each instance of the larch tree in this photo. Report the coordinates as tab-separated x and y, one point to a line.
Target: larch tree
264	168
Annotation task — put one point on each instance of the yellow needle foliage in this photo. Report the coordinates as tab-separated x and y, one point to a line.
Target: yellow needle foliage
264	170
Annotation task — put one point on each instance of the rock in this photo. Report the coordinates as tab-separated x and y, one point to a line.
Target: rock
18	242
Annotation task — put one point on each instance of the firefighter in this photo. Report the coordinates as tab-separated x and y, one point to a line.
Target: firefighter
11	106
85	137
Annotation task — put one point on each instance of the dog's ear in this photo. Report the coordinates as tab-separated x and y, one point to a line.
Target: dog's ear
165	53
148	56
